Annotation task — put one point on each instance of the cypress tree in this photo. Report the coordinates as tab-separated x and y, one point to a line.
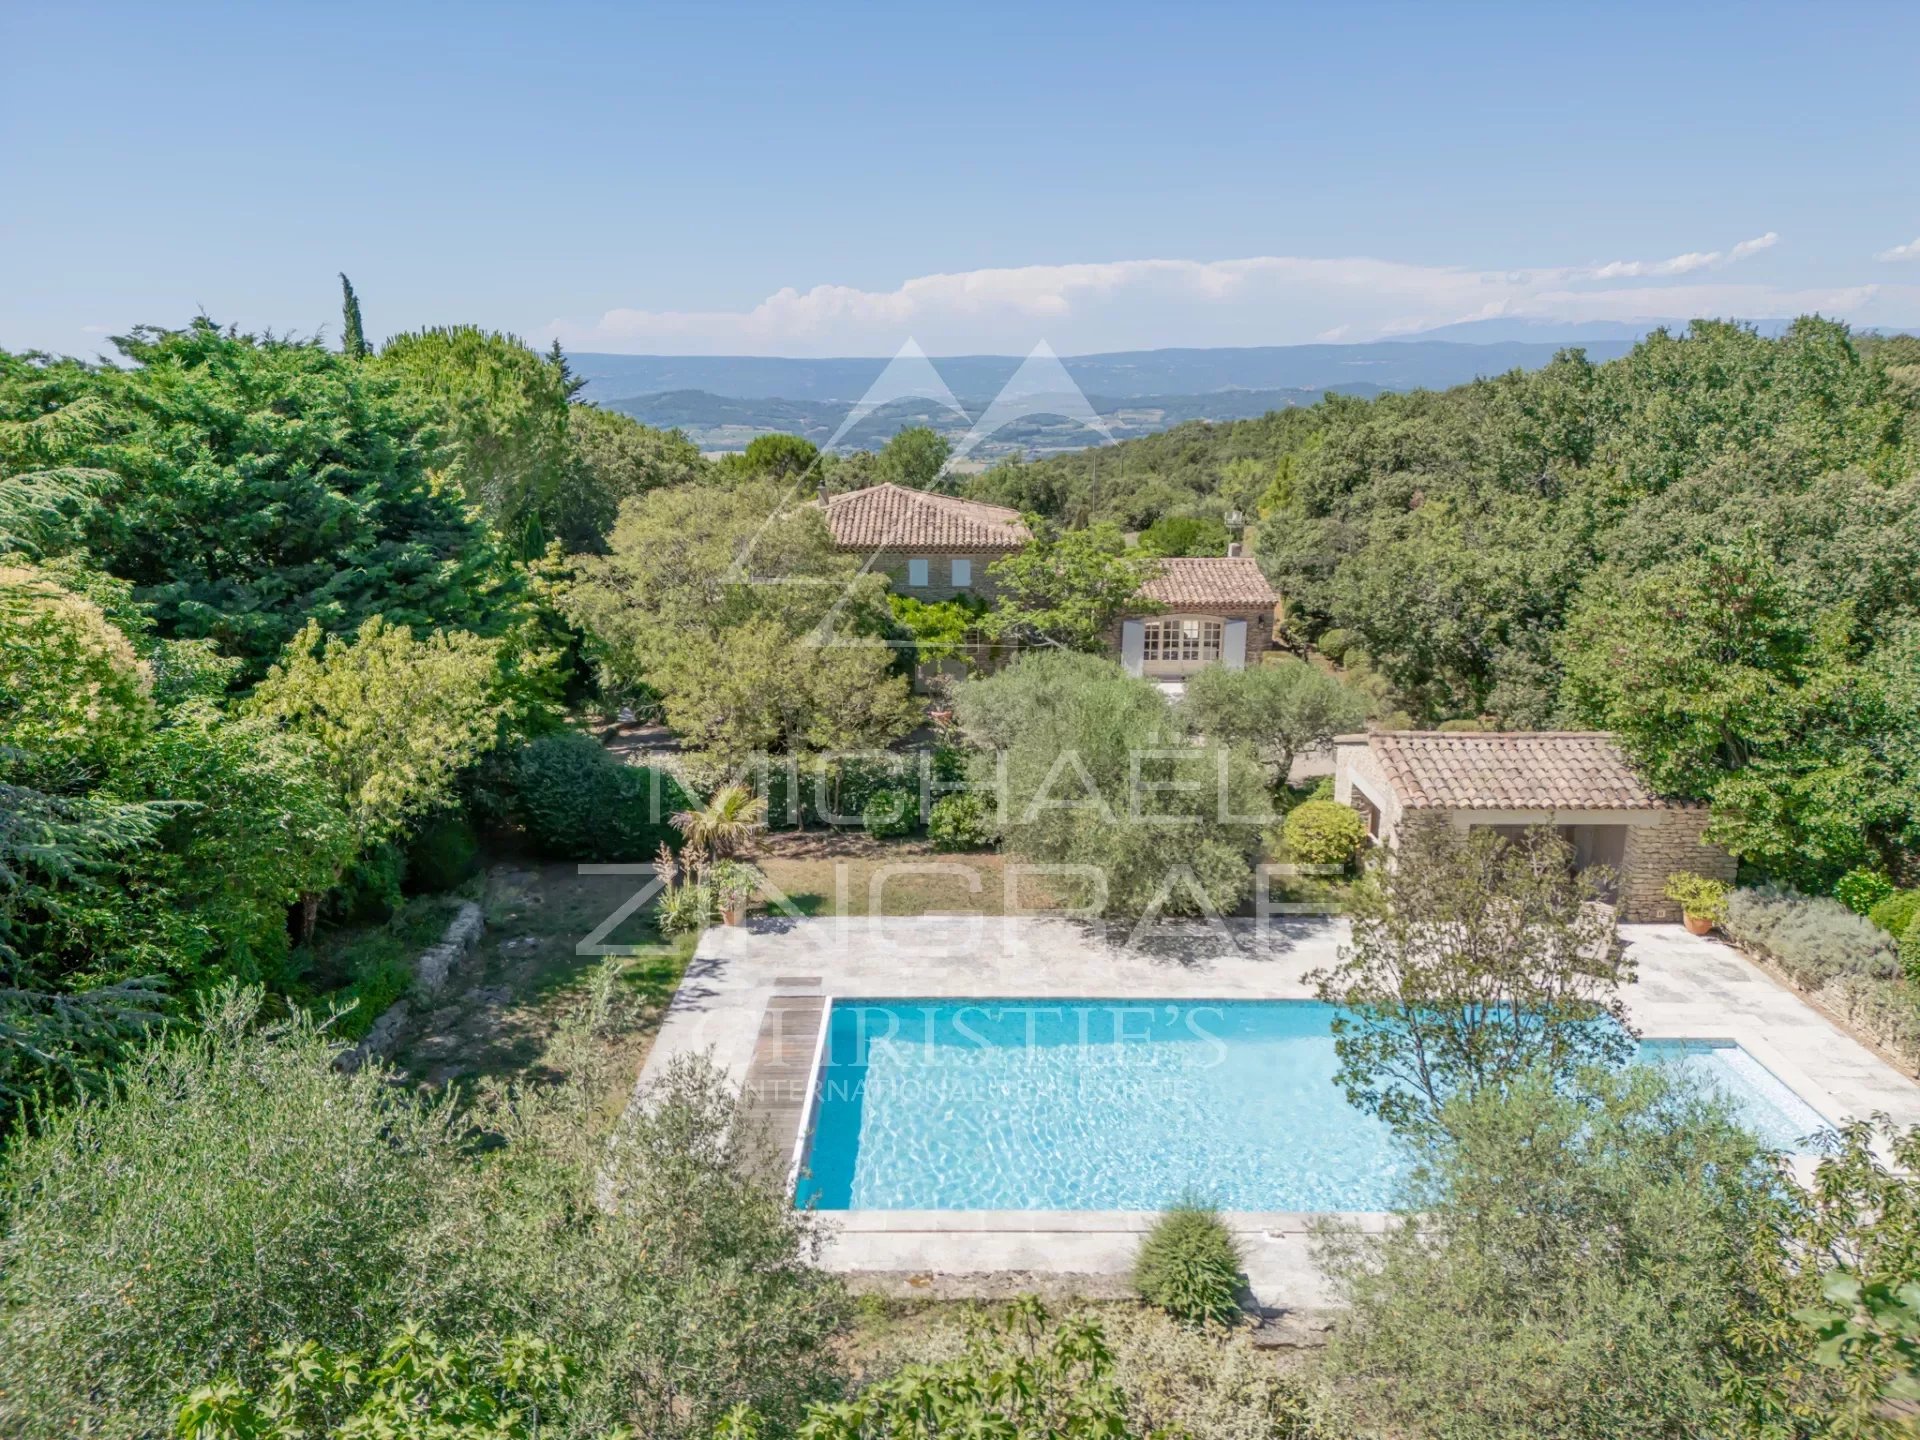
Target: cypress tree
353	339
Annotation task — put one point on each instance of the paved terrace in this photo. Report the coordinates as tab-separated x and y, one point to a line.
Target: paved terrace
1688	988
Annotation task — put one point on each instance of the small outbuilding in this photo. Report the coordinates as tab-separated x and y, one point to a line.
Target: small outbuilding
1577	781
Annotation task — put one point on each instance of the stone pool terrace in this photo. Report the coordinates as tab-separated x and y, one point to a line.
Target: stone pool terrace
752	999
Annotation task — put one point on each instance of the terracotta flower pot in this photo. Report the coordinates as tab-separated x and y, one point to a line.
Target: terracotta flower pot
1697	924
735	915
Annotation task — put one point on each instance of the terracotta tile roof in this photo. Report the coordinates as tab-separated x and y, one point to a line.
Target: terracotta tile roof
1229	582
893	517
1511	770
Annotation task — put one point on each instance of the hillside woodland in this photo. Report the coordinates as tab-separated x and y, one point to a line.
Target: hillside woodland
290	631
1710	546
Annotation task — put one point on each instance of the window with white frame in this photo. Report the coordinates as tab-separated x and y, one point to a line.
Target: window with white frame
917	574
1181	640
962	572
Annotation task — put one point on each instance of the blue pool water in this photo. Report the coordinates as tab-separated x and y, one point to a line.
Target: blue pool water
1116	1105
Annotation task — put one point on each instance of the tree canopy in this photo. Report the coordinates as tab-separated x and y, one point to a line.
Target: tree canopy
1581	545
257	483
758	636
1097	774
503	431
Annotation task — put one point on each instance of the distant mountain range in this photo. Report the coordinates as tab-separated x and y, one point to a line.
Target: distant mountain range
724	401
723	422
1129	374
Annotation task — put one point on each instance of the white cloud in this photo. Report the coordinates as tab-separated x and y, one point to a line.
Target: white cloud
1255	300
1901	252
1685	264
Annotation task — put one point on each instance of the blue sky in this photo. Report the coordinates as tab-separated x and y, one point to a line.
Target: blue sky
831	179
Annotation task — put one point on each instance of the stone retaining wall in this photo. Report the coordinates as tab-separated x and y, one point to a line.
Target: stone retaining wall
430	973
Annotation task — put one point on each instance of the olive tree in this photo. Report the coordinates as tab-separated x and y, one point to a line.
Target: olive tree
1279	710
1093	770
231	1190
733	606
1474	959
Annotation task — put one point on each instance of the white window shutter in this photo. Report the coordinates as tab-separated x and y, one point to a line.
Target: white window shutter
962	572
1133	645
1233	645
917	574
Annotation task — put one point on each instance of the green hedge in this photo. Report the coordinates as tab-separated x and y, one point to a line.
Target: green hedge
1895	913
889	814
823	790
576	802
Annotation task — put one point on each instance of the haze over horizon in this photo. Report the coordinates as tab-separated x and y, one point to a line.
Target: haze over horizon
1094	180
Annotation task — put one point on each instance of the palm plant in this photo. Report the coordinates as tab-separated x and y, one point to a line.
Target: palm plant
725	825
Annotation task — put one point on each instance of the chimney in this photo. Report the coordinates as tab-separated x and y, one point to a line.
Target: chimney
1233	549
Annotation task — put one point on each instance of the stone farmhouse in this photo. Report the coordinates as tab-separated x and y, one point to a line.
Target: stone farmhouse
1200	611
1576	781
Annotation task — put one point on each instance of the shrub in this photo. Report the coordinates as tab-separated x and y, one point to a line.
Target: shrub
1700	896
667	1258
1578	1265
233	1191
1887	1010
889	814
1334	644
1463	725
1895	913
443	852
1861	890
1910	953
576	802
381	977
1189	1265
684	908
417	1384
1062	1388
1323	832
1812	938
962	821
237	1192
819	789
1173	1379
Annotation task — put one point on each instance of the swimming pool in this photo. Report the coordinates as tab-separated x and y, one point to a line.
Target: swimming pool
1130	1105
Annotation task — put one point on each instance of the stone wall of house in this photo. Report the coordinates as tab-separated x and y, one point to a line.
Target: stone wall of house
939	586
1656	851
1358	758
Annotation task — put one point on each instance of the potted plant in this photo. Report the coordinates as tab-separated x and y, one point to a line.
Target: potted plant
734	883
1702	900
